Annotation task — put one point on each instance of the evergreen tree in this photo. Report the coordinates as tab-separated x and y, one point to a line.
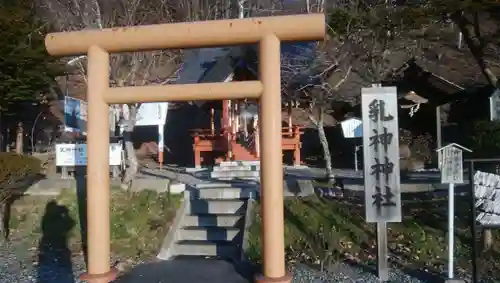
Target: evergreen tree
26	70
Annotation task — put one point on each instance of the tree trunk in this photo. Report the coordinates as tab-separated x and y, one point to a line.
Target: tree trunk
324	143
476	49
3	232
487	240
132	164
19	138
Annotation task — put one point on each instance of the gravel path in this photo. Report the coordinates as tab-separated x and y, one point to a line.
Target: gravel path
346	273
19	265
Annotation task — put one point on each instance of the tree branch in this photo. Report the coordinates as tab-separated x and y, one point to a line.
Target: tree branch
475	48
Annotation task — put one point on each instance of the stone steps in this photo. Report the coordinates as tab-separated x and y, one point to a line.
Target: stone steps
204	206
225	193
215	233
240	163
219	249
234	174
214	221
229	170
236	168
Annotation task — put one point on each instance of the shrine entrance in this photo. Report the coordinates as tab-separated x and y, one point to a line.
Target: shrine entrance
97	44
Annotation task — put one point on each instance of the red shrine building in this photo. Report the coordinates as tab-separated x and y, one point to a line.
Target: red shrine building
233	129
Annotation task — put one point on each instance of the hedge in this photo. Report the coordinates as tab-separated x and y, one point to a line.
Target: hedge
15	169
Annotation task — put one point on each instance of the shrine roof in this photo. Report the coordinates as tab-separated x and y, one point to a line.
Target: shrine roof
198	64
437	90
207	65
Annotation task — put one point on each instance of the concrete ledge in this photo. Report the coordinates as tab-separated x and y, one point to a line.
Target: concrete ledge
158	185
196	170
236	168
235	174
249	218
213	185
166	250
240	163
177	188
413	188
53	187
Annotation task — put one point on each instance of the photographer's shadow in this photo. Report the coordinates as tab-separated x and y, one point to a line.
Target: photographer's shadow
54	255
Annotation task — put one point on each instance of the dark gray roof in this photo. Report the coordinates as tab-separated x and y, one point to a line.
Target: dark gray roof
207	65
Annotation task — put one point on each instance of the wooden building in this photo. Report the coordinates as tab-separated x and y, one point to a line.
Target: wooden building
229	129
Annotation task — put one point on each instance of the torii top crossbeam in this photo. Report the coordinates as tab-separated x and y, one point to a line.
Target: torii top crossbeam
187	35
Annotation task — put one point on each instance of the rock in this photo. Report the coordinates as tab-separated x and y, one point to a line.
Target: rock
147	149
411	164
404	151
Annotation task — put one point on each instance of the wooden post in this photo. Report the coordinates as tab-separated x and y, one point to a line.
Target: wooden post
439	142
245	126
296	155
290	126
236	119
161	145
256	137
271	165
197	153
98	186
297	158
212	122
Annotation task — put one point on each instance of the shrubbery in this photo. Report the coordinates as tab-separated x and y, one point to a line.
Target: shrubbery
17	172
485	139
14	170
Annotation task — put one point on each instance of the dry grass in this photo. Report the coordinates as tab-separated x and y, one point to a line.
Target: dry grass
139	221
320	232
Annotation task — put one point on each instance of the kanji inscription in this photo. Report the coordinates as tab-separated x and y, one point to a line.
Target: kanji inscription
381	154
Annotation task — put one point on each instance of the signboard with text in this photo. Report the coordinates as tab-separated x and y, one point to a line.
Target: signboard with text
381	154
150	114
452	165
76	154
495	105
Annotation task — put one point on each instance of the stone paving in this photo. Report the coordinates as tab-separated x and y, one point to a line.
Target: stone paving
188	271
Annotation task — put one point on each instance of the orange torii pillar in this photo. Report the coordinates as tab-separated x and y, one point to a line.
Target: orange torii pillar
97	44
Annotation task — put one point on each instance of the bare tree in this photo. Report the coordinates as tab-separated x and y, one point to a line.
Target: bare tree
126	69
478	26
365	38
314	85
382	33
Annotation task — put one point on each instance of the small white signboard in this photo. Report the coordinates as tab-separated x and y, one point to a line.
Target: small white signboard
381	154
352	128
76	154
495	105
451	163
149	114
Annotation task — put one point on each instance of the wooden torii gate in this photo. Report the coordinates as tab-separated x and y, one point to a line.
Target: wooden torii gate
97	44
